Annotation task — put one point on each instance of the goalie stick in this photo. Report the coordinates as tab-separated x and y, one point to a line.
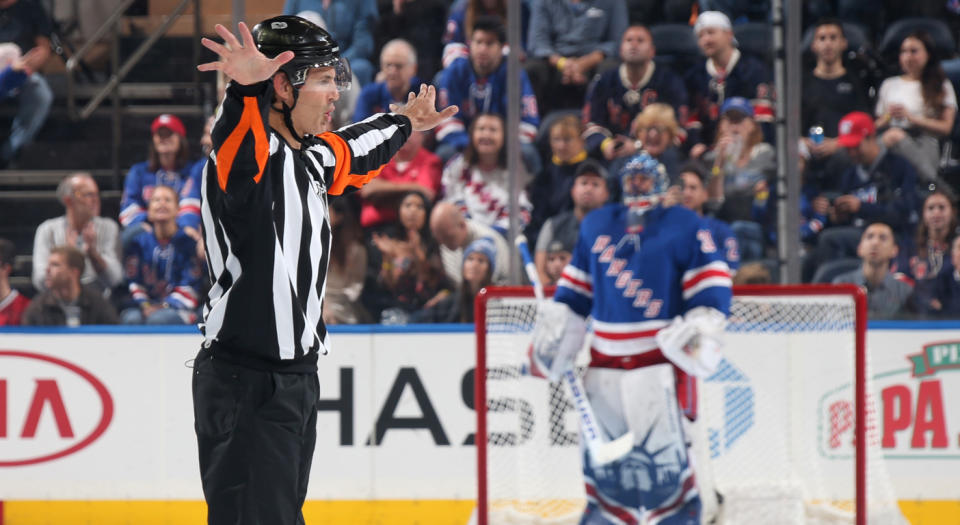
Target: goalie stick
602	451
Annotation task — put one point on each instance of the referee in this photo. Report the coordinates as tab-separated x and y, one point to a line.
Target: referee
266	186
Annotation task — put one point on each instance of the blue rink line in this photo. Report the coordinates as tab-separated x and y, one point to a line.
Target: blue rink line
440	328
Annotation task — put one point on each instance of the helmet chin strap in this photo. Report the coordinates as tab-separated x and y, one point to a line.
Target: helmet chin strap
288	119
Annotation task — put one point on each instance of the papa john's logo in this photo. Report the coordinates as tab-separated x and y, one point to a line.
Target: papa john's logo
49	408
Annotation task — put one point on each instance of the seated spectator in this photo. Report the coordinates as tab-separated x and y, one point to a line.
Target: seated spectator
590	190
887	294
880	186
163	272
569	43
657	132
917	108
829	92
168	164
405	272
398	66
617	96
946	301
477	85
550	189
460	24
420	22
693	184
12	302
929	255
724	73
66	301
347	268
477	181
351	24
26	25
80	227
454	232
742	166
479	264
413	168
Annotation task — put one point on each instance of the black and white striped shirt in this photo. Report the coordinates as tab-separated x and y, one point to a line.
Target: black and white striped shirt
267	230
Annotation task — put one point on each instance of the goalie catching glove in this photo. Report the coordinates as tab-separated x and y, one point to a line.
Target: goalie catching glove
557	337
693	342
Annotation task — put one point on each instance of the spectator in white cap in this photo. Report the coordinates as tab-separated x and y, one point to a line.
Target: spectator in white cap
724	73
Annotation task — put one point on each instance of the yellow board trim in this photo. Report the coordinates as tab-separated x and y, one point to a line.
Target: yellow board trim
344	512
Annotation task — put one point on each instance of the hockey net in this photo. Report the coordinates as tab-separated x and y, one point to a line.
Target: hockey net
777	437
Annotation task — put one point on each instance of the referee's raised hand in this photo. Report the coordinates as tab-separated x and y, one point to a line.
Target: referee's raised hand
421	109
243	63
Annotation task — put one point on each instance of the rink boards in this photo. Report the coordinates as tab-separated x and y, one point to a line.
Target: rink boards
96	425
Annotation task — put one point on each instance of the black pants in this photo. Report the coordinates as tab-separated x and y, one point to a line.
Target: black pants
256	432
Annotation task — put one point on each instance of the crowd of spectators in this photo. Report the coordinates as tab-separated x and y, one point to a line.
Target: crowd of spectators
415	245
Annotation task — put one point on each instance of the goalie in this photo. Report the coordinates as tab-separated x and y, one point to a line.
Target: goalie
658	291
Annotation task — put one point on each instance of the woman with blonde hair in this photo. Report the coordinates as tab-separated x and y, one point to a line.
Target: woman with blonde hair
658	133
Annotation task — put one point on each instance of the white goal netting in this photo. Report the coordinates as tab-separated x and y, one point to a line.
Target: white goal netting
775	438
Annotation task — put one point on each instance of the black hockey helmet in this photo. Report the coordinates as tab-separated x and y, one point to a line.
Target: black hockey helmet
312	46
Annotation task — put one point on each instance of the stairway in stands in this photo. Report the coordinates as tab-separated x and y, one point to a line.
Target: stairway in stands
162	82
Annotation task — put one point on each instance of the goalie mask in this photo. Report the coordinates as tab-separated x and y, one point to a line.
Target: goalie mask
644	182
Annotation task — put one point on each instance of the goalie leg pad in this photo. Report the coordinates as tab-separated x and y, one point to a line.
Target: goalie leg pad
656	475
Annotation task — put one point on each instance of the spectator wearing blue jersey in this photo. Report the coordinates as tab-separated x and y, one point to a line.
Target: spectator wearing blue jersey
463	13
168	164
616	97
693	196
929	255
569	43
478	84
398	68
351	23
161	265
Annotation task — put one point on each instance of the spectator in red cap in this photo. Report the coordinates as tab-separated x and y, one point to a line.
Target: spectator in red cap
168	164
880	186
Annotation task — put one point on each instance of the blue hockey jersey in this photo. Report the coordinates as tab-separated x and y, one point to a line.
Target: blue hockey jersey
139	184
635	284
163	272
459	85
612	103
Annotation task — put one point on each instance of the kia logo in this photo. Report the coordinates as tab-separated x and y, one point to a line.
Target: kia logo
49	408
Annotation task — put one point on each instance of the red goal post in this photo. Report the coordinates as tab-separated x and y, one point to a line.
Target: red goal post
504	318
